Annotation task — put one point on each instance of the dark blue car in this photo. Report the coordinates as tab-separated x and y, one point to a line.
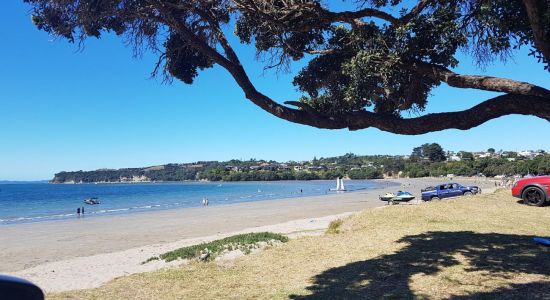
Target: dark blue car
447	190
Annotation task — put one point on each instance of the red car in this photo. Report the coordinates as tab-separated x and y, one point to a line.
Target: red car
534	191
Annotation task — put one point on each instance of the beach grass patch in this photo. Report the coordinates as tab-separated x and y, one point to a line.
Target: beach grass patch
335	226
244	242
150	259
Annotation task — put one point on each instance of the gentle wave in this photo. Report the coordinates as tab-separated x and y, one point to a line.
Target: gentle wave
96	212
42	202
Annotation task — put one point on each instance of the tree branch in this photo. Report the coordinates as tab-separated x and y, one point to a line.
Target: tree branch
352	16
487	83
416	10
466	119
542	40
523	98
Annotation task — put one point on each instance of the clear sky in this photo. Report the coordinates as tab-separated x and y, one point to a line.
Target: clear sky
64	109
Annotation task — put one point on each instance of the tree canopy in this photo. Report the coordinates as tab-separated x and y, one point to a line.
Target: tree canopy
428	152
365	66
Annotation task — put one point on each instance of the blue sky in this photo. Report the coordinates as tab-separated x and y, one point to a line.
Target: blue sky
64	109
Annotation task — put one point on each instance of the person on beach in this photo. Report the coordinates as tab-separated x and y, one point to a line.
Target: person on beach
78	211
203	201
82	210
206	201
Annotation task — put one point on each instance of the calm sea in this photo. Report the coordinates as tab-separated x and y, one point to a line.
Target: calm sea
36	202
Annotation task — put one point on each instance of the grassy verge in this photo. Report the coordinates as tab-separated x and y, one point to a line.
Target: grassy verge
244	242
477	247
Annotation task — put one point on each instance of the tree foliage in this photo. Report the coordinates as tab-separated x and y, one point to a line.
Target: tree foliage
365	67
428	152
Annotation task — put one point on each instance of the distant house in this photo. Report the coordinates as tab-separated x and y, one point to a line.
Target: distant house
299	168
317	168
454	158
485	155
233	168
268	167
527	154
284	167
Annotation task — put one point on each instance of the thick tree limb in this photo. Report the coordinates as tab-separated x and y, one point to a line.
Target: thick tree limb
479	82
466	119
542	40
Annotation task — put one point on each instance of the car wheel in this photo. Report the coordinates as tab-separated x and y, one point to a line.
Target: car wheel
533	196
435	199
468	194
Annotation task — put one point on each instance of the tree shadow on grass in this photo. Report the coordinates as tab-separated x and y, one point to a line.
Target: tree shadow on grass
388	276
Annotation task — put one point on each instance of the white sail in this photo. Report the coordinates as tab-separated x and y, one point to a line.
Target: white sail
340	184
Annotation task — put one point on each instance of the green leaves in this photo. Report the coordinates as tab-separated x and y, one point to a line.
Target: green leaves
184	61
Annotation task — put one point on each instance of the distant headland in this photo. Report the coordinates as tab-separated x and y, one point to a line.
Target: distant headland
425	160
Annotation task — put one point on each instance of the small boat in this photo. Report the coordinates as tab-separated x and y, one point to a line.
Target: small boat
92	201
399	196
339	185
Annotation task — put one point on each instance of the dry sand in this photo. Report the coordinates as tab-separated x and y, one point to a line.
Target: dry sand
86	252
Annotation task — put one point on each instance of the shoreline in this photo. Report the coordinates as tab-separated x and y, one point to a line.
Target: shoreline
76	249
93	271
69	216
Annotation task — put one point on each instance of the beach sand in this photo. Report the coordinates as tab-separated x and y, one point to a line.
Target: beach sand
86	252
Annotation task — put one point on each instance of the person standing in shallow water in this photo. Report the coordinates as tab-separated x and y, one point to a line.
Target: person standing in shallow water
78	211
82	210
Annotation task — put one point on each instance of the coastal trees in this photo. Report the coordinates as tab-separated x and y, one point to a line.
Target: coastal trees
465	155
365	173
428	152
365	67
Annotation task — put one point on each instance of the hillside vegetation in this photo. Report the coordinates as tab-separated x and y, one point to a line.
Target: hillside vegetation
478	247
421	163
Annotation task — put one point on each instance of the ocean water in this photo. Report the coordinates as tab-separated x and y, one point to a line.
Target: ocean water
38	202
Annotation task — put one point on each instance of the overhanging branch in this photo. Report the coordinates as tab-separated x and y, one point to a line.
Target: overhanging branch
522	98
466	119
488	83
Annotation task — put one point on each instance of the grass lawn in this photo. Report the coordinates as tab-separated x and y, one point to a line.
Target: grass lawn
471	247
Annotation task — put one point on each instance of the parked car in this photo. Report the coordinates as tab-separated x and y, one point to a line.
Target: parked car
448	190
534	191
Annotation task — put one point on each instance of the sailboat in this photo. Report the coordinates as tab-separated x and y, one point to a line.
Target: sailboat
339	185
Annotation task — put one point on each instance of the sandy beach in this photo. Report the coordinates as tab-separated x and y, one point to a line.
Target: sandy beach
86	252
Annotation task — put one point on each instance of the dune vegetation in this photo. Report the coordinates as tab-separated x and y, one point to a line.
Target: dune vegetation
244	242
469	247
